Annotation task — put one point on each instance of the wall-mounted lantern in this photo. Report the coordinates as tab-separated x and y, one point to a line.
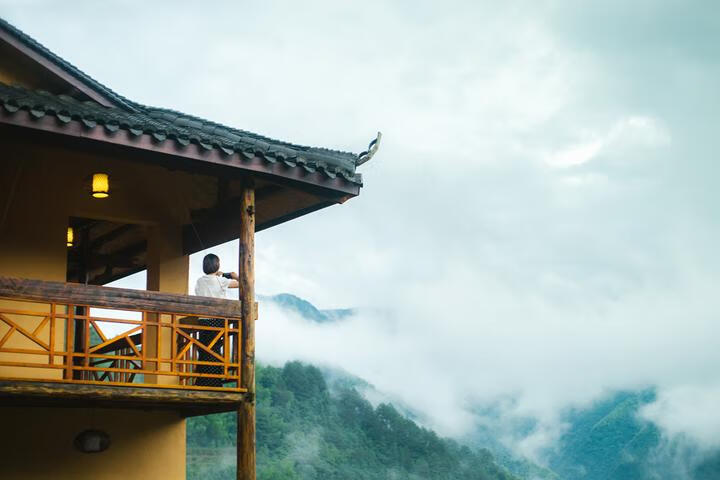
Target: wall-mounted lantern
70	236
100	185
92	441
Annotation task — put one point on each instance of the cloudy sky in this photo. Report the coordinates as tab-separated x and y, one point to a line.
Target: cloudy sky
540	224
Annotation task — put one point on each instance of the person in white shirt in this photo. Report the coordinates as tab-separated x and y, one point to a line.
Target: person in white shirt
213	284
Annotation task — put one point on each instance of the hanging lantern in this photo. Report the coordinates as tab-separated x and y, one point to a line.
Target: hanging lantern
100	185
70	236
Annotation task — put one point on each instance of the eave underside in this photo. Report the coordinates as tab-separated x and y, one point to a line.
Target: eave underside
210	194
185	157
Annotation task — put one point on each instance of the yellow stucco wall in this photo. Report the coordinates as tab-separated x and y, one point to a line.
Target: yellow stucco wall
41	188
49	187
168	271
37	444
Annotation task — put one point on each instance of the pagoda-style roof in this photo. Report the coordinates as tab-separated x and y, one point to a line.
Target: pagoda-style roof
170	126
84	100
52	111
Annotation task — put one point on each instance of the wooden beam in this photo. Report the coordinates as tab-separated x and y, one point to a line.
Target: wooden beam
50	393
117	274
246	463
295	214
120	298
122	259
221	223
98	242
110	273
118	258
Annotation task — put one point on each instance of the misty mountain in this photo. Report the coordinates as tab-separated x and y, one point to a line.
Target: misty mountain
607	440
313	428
306	309
610	440
306	432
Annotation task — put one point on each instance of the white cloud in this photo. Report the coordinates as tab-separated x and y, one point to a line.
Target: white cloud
688	411
627	132
577	154
499	273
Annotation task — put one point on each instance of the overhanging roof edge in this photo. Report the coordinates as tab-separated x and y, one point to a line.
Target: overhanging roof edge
146	142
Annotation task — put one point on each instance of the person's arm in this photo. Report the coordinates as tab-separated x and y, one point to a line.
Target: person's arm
233	280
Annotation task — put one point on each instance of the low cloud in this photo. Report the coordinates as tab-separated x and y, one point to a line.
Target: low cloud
483	271
688	411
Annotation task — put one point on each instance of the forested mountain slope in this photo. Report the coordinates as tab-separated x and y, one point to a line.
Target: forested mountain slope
307	432
610	440
304	432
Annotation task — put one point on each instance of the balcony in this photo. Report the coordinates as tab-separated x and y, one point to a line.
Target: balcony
63	342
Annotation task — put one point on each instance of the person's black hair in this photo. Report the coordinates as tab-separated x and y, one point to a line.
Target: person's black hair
211	264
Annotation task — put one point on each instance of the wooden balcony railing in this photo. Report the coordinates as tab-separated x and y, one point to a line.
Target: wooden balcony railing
70	333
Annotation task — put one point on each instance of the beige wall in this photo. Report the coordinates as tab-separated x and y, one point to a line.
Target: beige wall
32	236
168	271
37	443
51	186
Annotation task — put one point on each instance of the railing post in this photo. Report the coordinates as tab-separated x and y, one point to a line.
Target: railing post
69	347
246	413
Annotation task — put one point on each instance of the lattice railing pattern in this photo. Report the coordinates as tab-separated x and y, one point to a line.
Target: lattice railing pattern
79	343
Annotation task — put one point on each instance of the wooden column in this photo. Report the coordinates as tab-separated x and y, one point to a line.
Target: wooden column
246	413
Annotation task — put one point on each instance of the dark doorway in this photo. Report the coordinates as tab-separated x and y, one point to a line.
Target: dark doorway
104	251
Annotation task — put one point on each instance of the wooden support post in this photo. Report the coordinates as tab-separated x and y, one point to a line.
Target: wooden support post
246	413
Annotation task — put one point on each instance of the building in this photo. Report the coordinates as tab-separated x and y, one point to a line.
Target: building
96	382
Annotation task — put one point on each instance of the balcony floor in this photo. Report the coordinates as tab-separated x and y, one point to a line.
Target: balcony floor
186	402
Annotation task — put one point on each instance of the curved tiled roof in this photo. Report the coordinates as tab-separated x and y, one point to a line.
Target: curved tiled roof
164	124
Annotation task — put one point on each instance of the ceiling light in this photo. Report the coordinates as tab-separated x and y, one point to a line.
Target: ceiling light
100	185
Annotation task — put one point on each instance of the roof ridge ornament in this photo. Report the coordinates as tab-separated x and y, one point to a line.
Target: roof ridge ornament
370	152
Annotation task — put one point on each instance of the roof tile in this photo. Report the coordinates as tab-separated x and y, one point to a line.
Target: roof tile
164	124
